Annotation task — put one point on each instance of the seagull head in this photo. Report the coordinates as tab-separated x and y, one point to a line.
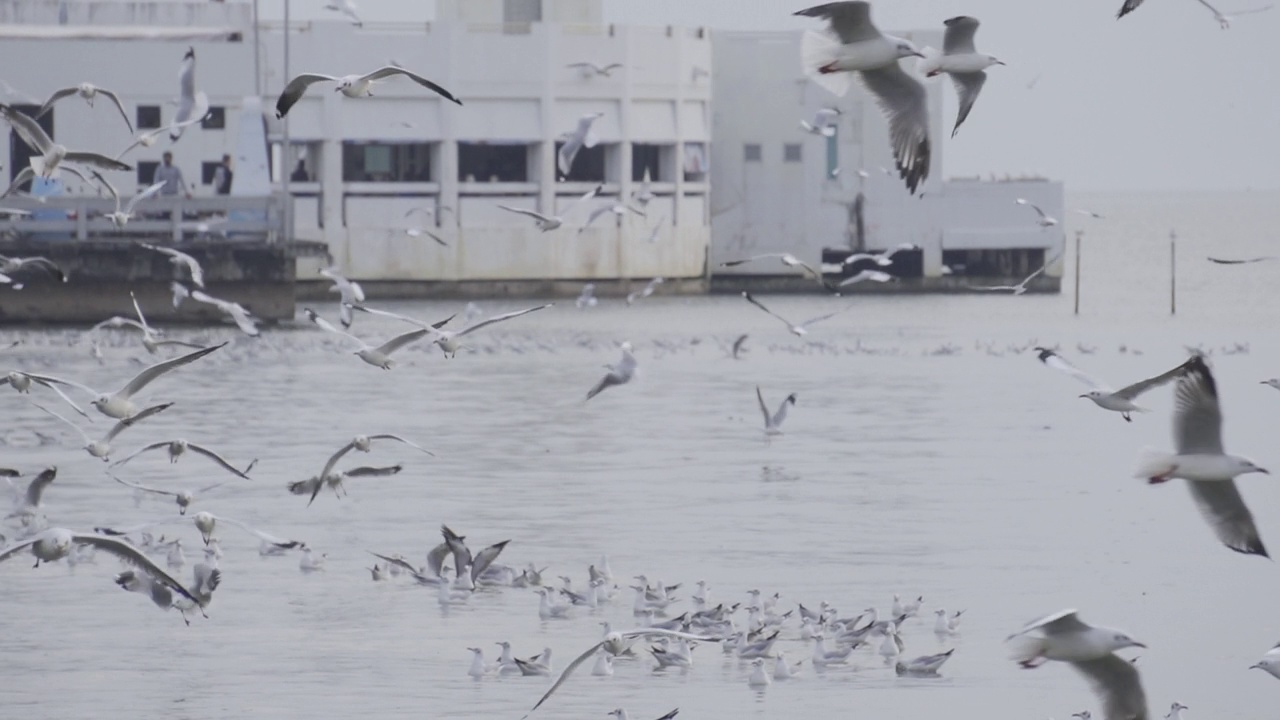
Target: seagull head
1243	466
995	60
1120	640
906	48
1177	706
791	399
1093	394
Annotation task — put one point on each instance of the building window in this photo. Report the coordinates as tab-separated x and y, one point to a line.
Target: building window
646	158
215	120
148	117
147	172
833	157
752	152
484	162
207	170
791	152
521	11
696	162
588	164
386	162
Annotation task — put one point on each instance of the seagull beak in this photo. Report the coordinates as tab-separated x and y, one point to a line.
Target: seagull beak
918	54
1001	62
1084	396
1264	471
1138	644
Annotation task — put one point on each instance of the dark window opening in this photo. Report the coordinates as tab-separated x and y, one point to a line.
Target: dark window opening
148	117
386	162
147	172
1013	263
521	11
479	162
791	152
588	164
207	171
215	120
645	157
752	152
19	151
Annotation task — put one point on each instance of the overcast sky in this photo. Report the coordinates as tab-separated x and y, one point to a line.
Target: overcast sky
1162	99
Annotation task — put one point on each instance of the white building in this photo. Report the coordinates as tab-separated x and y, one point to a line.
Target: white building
776	188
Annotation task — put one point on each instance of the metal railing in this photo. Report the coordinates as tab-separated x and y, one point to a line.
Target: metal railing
254	219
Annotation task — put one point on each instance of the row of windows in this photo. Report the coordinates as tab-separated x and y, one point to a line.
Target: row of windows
148	118
146	170
754	152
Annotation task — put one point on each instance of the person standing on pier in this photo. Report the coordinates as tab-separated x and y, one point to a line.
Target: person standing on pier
222	177
171	176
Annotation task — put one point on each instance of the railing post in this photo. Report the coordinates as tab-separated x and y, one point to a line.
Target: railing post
82	221
175	217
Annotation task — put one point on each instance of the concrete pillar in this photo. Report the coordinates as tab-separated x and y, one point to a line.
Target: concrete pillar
549	34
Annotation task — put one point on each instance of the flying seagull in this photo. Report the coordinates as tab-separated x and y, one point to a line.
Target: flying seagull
1102	395
860	47
183	498
311	486
883	258
11	266
347	8
547	223
1091	651
1020	288
88	91
1128	7
590	69
581	137
801	329
364	443
619	374
150	337
380	356
1044	220
645	291
177	448
787	259
101	449
192	105
448	340
1224	20
50	154
773	423
122	216
180	259
350	291
962	61
873	275
21	382
199	109
824	122
353	86
119	404
1224	261
1201	460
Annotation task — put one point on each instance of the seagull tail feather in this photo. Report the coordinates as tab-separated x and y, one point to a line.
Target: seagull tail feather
1154	463
1026	648
818	49
930	62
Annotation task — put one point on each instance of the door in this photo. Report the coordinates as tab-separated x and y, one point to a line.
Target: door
19	152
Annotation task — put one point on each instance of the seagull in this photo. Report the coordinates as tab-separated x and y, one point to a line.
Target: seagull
353	86
200	108
873	275
1090	650
1270	662
21	382
538	665
51	154
310	562
547	223
1175	711
614	643
179	258
946	625
121	217
617	208
787	259
102	448
119	405
26	174
1224	20
1200	460
737	345
773	423
11	266
347	8
587	297
150	340
961	60
619	374
448	340
862	48
206	523
206	579
1091	214
311	486
581	137
824	122
924	665
350	291
759	678
414	232
1223	261
183	498
644	195
801	329
1273	382
192	105
234	310
1045	220
590	69
1128	7
88	91
469	569
1121	400
363	443
56	543
29	501
645	291
380	356
177	448
883	258
1020	288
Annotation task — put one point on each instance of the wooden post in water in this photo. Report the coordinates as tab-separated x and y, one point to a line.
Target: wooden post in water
1076	311
1173	273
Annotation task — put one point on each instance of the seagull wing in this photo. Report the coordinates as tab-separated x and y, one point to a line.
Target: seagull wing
18	547
97	160
1128	7
1197	418
1033	206
435	559
401	340
368	471
563	675
586	197
36	487
296	88
146	376
397	438
120	426
968	85
136	453
781	415
78	429
1222	506
603	209
55	97
485	558
764	409
1063	621
903	100
389	70
28	129
328	326
333	460
753	258
828	316
151	192
277	541
133	556
1132	391
461	553
201	450
143	488
1055	361
394	561
119	106
757	303
1116	683
851	21
958	39
500	318
1222	261
525	211
64	397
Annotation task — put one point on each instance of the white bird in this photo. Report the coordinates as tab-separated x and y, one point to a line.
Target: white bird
923	665
801	329
21	382
1270	662
88	91
548	609
1045	220
1090	213
310	562
619	374
787	259
1224	20
364	444
311	486
56	543
380	356
873	275
379	573
350	293
1020	288
192	105
824	123
347	8
645	291
121	216
200	108
946	625
150	337
449	340
883	258
822	657
962	61
860	47
101	449
1200	459
50	154
205	579
414	232
617	208
479	668
239	314
119	404
1175	711
28	502
538	665
586	298
10	266
183	498
773	423
1090	650
206	522
759	678
352	86
177	448
1121	400
582	136
180	259
603	666
614	643
644	195
547	223
590	69
891	646
783	670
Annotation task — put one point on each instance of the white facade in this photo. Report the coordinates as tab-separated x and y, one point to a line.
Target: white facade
768	196
369	161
